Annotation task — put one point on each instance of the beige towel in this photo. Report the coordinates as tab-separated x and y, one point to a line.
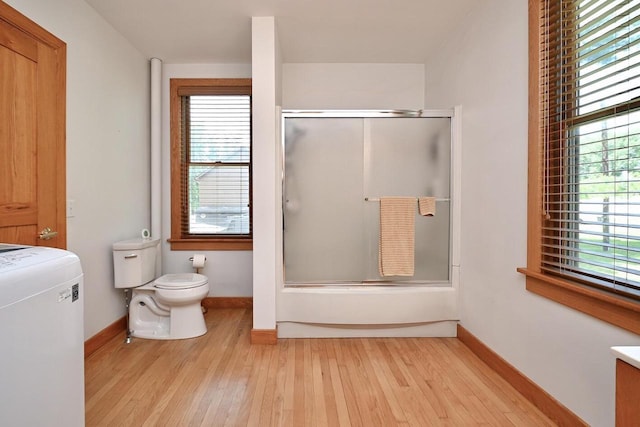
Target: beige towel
397	230
427	206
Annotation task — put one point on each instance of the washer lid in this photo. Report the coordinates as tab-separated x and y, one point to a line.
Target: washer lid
180	281
30	271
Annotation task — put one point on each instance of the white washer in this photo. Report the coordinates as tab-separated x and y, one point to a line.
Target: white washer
41	336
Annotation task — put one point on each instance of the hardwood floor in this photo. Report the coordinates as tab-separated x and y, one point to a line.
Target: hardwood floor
221	380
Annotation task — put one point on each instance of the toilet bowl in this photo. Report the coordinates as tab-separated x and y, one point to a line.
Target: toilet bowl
167	307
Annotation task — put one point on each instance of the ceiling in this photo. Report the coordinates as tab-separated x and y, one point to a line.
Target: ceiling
219	31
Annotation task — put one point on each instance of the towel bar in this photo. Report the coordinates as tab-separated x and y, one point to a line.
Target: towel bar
377	199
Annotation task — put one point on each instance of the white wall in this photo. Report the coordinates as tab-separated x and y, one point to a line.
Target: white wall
229	272
107	144
353	86
484	68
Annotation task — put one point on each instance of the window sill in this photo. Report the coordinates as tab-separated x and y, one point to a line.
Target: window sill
211	244
614	309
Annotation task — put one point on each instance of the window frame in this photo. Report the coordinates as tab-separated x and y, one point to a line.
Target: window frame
180	87
605	305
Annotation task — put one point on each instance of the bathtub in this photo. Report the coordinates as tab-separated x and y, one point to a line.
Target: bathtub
347	310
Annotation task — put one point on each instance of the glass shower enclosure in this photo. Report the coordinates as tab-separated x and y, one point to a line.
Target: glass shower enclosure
337	166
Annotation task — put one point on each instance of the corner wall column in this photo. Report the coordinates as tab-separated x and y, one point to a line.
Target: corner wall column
264	173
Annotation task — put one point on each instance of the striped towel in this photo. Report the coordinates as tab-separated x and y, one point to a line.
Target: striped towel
427	206
397	231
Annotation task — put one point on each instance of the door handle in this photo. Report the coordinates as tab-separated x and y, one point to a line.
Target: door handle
47	234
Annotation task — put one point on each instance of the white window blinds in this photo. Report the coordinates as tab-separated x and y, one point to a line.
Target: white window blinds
590	89
217	152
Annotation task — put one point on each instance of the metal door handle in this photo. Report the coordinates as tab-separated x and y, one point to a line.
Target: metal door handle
47	234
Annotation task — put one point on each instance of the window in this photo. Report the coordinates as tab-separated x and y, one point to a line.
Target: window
584	155
211	164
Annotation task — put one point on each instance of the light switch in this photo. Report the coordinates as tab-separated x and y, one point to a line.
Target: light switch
70	208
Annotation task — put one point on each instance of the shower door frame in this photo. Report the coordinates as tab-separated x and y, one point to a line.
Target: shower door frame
454	191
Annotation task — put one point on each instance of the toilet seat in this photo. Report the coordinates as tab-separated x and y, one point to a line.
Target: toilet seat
180	281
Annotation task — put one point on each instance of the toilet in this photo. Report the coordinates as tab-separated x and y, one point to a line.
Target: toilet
163	308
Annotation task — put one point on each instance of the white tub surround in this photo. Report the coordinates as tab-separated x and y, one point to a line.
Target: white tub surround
367	311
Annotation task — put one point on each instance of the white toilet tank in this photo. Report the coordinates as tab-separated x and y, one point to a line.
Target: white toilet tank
134	262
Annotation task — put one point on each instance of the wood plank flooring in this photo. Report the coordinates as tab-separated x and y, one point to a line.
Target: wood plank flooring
220	379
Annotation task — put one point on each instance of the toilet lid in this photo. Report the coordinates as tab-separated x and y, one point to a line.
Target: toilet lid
180	281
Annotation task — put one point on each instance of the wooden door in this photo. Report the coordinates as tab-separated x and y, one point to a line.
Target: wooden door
32	132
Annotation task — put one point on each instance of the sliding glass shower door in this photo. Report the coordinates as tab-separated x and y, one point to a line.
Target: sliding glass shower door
335	171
